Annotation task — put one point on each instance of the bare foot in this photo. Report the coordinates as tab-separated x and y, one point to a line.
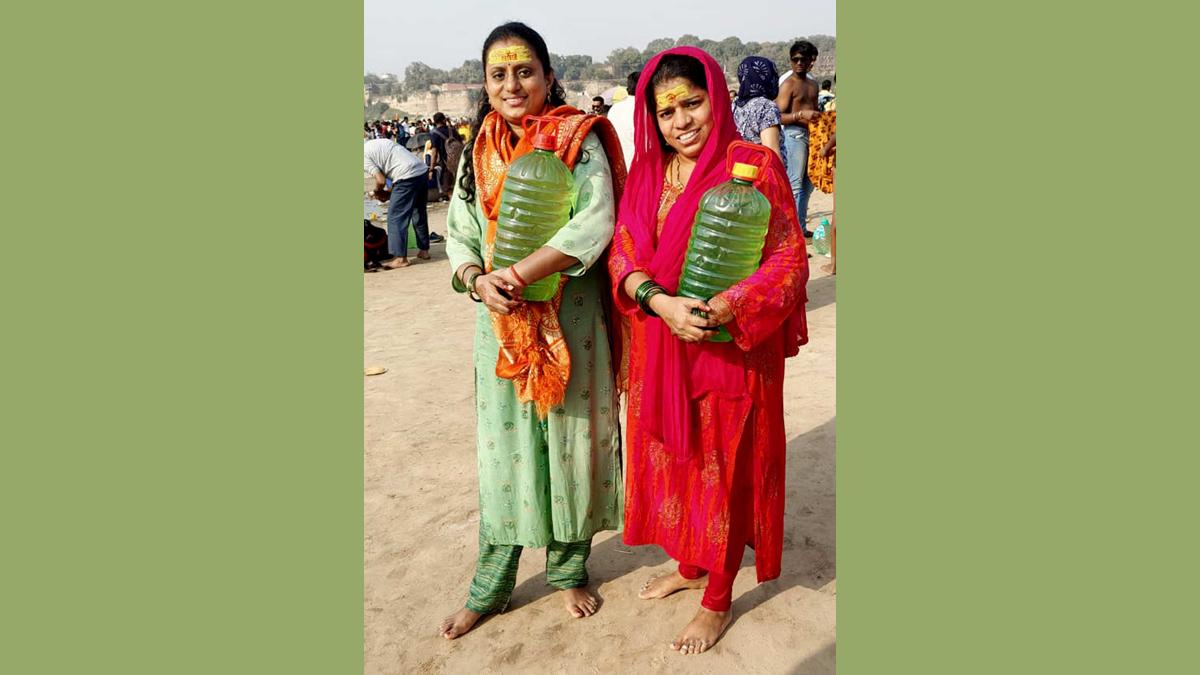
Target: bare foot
396	262
423	255
666	584
702	632
579	602
458	623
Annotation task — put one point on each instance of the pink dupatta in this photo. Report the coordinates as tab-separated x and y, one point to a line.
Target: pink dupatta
677	372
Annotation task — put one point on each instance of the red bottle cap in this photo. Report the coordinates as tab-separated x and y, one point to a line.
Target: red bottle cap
545	132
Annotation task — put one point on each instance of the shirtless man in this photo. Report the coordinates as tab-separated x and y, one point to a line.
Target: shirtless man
797	103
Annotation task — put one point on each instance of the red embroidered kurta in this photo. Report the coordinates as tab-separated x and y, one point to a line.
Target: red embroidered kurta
702	511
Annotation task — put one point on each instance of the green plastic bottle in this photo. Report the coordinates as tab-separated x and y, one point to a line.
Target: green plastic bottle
821	237
727	238
535	203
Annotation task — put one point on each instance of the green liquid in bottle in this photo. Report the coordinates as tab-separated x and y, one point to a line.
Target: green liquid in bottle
534	204
726	243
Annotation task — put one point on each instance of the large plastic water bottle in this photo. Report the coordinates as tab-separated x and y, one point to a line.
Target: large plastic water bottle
727	238
535	203
821	237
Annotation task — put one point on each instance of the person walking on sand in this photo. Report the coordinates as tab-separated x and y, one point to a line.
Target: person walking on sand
548	441
384	159
706	443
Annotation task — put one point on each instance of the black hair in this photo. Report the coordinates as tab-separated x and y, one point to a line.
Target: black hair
670	67
803	48
438	118
825	84
509	31
631	81
598	98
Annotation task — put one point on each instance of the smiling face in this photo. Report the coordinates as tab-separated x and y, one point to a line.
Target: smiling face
684	116
516	83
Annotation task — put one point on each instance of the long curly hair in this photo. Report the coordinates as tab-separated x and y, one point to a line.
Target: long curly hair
511	30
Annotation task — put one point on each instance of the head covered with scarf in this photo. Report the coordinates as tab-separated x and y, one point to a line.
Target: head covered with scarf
679	372
756	77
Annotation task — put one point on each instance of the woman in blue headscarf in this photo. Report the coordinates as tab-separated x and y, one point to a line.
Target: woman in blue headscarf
754	111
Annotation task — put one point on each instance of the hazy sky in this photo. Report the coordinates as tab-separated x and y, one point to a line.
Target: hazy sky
398	33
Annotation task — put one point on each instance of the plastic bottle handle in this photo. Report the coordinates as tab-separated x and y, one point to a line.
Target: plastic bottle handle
538	121
755	148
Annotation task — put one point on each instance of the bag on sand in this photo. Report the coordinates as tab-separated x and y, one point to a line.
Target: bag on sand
374	244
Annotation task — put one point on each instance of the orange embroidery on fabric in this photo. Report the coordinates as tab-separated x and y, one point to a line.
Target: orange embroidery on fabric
533	353
718	529
672	513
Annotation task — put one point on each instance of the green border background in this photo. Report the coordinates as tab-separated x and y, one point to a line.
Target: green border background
1016	326
182	480
181	486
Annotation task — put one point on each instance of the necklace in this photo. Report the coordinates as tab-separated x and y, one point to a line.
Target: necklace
673	187
674	167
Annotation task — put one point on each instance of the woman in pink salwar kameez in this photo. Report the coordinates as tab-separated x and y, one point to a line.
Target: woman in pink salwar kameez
705	474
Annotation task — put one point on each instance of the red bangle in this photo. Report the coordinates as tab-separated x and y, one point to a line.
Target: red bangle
521	281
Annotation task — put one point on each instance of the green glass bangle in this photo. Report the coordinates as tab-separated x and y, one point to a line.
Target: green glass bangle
645	304
645	291
644	288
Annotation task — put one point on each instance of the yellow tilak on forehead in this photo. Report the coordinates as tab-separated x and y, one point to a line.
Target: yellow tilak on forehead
668	97
514	54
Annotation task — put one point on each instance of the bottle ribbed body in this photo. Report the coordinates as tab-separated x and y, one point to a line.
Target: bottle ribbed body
534	204
726	242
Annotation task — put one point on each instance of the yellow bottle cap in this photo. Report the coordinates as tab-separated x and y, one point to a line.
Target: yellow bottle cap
745	171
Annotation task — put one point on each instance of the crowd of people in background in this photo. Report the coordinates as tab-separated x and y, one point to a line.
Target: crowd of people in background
776	111
403	129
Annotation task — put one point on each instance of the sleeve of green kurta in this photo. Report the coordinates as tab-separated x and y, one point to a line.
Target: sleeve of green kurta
587	233
464	232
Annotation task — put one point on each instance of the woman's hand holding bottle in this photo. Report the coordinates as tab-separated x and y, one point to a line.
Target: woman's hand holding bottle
498	293
676	312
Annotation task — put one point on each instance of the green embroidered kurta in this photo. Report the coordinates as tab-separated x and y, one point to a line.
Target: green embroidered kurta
557	479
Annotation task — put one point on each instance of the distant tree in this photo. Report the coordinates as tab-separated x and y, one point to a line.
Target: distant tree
571	66
655	46
624	60
687	40
470	71
375	110
597	71
418	77
731	47
824	43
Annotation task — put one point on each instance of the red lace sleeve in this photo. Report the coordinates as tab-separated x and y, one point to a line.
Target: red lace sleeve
764	300
622	261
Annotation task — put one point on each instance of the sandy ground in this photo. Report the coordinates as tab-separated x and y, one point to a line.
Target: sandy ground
421	515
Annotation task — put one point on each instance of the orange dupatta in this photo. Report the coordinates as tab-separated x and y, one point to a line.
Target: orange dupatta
533	353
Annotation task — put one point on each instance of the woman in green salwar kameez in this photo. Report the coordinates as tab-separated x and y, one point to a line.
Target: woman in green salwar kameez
549	465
